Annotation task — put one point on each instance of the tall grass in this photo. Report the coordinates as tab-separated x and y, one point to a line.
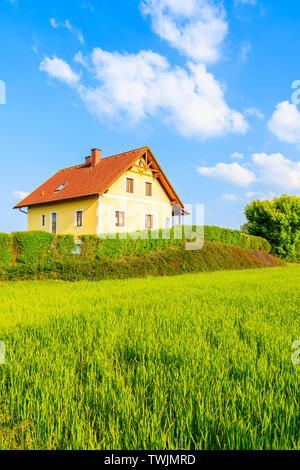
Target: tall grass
200	361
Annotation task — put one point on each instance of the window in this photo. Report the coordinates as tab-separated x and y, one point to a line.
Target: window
53	226
129	185
148	221
78	218
43	220
61	187
120	219
148	189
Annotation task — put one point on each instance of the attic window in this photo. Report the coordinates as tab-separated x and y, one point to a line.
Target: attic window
61	187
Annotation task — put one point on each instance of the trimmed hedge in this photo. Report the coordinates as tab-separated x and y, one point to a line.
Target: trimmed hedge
34	246
175	260
6	249
235	237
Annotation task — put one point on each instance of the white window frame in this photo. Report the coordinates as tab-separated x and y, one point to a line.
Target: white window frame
125	219
43	225
130	178
51	215
146	195
75	221
153	219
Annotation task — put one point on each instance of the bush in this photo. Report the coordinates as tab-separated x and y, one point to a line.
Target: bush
234	237
65	245
138	243
34	246
175	260
6	249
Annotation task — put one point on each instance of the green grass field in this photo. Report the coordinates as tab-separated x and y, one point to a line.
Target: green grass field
201	361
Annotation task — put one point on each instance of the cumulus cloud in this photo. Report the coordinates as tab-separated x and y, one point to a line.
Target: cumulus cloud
20	195
136	86
285	123
196	28
59	69
144	84
275	169
229	173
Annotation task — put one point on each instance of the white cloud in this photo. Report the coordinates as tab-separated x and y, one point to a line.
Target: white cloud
229	173
245	49
59	69
275	169
230	197
136	86
285	123
196	28
139	85
20	195
66	24
237	156
254	112
53	23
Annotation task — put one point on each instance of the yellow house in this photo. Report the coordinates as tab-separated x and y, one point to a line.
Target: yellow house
122	193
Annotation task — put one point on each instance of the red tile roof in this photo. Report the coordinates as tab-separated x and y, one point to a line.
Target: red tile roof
86	180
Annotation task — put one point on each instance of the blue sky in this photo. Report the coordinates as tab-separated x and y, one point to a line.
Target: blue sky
207	84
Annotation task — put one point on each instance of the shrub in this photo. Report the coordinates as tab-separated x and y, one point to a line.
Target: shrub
233	237
33	246
6	249
65	245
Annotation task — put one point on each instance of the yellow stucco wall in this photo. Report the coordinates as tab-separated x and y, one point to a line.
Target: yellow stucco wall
66	216
135	206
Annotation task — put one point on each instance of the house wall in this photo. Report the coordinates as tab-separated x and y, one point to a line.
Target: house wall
135	205
99	213
66	216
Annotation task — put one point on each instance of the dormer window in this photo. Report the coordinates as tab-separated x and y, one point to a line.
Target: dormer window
61	187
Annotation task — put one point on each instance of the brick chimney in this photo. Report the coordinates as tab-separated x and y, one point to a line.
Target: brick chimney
95	157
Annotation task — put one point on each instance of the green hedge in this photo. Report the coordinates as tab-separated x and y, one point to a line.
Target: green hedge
175	260
235	237
34	246
65	245
6	249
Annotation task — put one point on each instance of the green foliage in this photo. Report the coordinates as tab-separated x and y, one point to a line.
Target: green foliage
65	245
89	246
6	249
278	221
232	237
33	246
138	243
167	262
189	362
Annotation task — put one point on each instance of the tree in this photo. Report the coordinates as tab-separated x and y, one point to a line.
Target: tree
278	221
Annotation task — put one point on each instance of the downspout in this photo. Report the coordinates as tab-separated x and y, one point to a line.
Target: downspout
99	215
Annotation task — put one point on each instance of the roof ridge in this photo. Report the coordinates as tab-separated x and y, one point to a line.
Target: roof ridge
71	167
123	153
